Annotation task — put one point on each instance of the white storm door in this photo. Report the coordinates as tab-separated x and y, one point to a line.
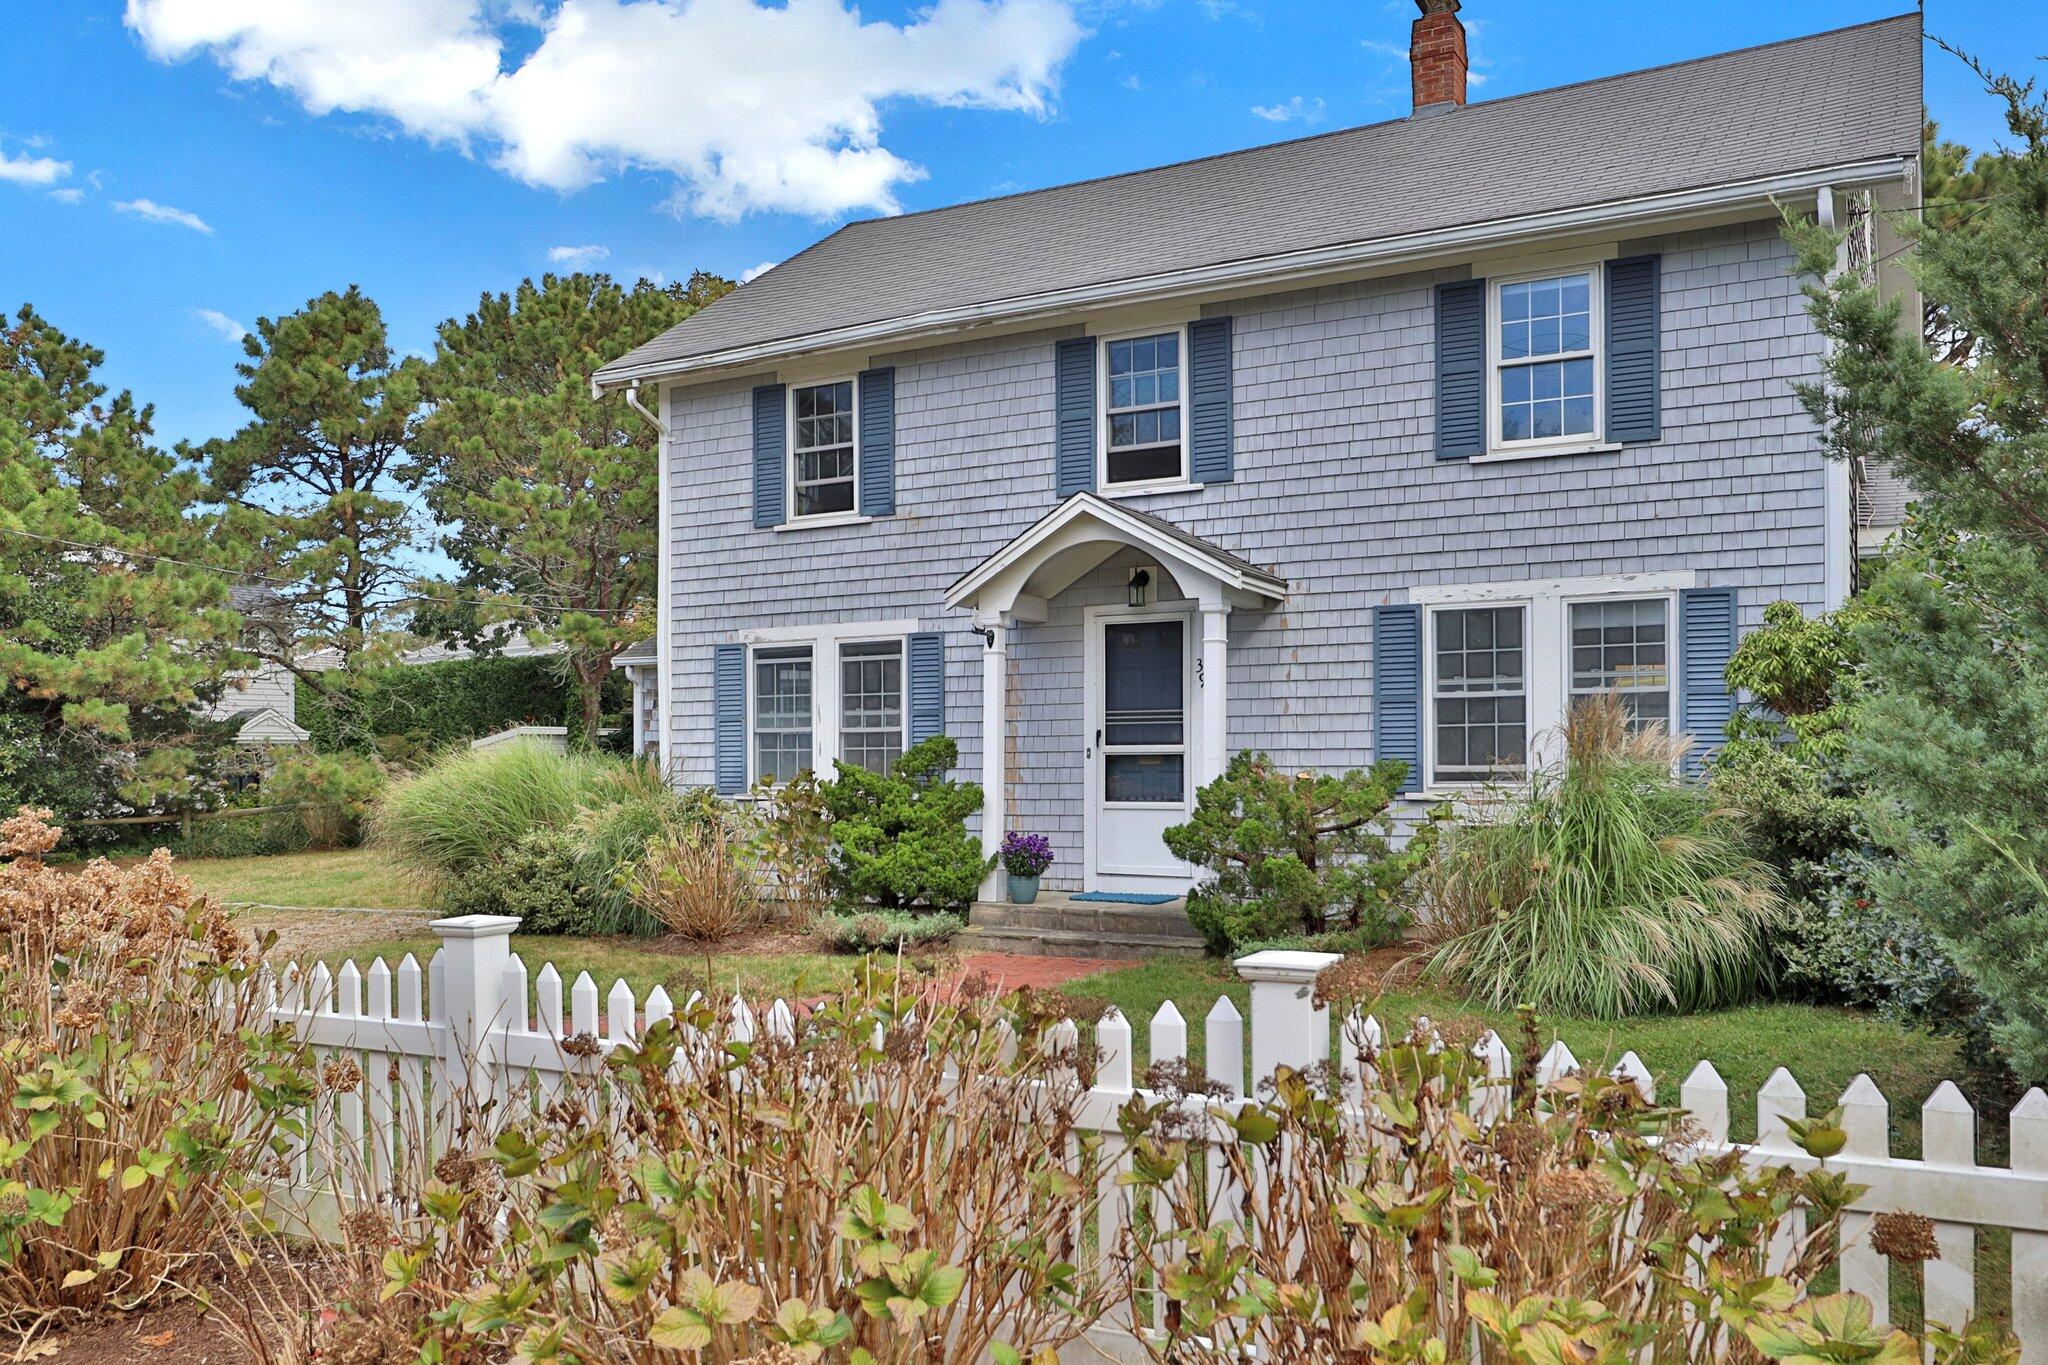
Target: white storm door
1138	749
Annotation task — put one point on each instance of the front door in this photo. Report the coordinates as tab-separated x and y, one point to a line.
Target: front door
1138	750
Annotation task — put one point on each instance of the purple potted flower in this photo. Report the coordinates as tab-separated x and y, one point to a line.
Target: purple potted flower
1025	858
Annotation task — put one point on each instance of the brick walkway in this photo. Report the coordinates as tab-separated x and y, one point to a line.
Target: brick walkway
1014	971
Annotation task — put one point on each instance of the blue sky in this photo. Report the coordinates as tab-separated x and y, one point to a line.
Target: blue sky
171	170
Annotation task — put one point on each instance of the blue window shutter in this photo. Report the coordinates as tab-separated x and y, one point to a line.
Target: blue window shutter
878	443
1074	383
729	719
1397	689
1632	336
1209	386
1706	640
927	669
771	453
1461	370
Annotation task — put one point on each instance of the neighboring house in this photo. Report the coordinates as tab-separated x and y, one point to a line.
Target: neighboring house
1385	443
638	661
262	701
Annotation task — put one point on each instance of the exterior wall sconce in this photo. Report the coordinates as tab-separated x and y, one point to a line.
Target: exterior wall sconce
1141	579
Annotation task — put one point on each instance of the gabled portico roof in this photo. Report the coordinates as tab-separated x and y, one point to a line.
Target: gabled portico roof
1087	529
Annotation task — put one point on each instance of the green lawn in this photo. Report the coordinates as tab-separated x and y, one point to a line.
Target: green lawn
363	878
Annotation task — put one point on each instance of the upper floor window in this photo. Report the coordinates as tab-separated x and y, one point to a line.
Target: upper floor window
1142	411
1479	693
1545	348
822	463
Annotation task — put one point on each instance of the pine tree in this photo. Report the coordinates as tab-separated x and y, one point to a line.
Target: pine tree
553	492
1951	732
315	474
114	589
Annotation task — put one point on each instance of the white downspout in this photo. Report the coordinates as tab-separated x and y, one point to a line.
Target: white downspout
1838	514
663	739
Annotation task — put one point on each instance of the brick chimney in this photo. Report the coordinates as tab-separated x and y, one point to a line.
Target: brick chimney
1436	56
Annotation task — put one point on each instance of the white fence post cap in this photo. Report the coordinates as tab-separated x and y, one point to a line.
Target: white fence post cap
475	926
1285	965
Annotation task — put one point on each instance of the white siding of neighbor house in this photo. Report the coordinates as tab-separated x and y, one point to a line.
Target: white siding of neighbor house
1337	489
270	685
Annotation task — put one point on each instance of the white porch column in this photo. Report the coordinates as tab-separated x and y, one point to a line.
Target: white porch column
1215	692
994	685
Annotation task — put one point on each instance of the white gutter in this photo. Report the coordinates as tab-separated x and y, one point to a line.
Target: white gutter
1275	269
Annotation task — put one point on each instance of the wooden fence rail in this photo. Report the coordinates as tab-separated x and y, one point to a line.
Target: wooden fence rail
473	1028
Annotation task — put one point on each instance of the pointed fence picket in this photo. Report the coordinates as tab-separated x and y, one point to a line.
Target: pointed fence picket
426	1058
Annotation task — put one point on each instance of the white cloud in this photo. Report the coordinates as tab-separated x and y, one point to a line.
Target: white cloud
70	195
577	257
1391	51
1295	110
162	213
750	106
749	276
229	329
32	171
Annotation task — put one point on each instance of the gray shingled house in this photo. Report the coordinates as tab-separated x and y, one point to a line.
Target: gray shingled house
1385	443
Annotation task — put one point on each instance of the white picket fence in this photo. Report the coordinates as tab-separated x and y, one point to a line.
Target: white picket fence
472	1030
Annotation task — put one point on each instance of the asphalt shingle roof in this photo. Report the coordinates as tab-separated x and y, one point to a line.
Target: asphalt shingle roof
1831	99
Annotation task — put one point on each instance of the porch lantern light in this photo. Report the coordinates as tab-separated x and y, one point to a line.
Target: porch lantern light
1141	579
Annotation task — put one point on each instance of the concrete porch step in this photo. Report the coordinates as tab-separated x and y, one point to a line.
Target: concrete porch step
1058	925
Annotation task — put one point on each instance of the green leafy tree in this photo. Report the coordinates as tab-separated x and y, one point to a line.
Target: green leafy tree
553	494
900	841
1954	187
1298	852
1952	723
112	623
315	473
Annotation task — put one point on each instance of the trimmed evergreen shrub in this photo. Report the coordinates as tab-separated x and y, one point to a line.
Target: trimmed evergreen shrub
537	879
429	706
900	841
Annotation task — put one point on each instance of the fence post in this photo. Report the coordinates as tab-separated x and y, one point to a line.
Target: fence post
474	952
1288	1027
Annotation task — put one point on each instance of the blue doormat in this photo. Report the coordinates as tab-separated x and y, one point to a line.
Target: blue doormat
1125	897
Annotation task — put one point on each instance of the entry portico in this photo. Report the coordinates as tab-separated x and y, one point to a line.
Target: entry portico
1154	725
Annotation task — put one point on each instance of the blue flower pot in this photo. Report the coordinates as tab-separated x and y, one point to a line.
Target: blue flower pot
1023	890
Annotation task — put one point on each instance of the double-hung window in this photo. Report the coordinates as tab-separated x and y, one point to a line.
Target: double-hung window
1479	693
822	461
782	713
871	706
1142	409
1545	351
1623	646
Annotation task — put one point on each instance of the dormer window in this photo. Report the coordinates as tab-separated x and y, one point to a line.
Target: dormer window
821	450
1545	350
1142	414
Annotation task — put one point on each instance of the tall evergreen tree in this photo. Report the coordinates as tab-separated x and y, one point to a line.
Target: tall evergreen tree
315	473
552	493
1951	735
112	625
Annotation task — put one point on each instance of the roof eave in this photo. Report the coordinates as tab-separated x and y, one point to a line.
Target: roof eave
1300	265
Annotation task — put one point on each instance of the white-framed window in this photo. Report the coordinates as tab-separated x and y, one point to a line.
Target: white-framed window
872	713
783	739
824	468
1479	693
1144	409
1544	339
1623	645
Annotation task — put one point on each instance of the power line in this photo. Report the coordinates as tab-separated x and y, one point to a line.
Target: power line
247	575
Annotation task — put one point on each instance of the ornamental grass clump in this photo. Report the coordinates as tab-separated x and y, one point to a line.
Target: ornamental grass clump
1456	1217
885	1177
1612	888
141	1093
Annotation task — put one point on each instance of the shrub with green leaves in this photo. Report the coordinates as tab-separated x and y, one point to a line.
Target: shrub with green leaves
900	840
536	879
1294	853
335	794
1612	888
869	931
